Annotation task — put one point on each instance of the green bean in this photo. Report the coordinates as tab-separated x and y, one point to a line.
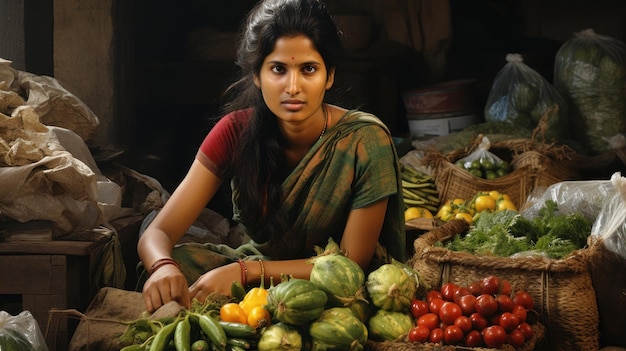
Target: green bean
182	335
164	336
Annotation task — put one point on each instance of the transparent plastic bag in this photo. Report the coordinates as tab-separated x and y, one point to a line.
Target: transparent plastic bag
590	72
610	225
483	163
521	96
583	196
20	333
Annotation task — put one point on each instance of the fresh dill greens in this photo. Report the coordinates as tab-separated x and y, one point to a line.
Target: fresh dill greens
504	233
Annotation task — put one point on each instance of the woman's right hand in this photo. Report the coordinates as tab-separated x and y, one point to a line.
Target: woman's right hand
166	284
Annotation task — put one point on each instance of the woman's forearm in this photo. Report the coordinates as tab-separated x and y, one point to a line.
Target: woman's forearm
300	268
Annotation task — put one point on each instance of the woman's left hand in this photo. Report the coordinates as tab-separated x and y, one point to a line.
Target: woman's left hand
216	280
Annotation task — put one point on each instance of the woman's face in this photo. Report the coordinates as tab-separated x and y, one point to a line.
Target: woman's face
293	79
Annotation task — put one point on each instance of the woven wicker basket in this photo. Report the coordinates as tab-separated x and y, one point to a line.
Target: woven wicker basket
565	300
534	165
404	345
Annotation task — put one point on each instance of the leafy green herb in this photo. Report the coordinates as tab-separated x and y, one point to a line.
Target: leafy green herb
504	233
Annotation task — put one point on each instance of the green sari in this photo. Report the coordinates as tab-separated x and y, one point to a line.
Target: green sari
354	165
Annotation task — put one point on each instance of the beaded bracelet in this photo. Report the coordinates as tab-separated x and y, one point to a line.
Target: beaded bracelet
244	272
162	262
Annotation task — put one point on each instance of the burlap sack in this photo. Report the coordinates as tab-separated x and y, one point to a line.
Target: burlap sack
105	320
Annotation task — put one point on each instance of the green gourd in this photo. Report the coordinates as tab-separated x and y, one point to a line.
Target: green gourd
338	328
296	301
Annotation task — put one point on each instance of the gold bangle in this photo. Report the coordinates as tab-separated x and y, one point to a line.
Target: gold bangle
244	272
262	270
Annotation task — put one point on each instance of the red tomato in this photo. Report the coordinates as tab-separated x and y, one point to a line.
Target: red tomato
420	333
520	312
467	304
506	288
505	303
432	295
509	321
435	305
452	335
486	305
525	299
475	288
473	339
494	319
419	308
429	320
494	336
490	285
479	322
449	312
436	336
448	291
464	323
461	291
526	329
516	338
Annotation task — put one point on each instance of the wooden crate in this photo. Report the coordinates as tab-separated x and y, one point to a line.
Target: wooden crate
47	275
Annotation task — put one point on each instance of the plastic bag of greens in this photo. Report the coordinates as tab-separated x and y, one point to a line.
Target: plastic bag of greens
483	163
522	96
589	73
20	333
586	197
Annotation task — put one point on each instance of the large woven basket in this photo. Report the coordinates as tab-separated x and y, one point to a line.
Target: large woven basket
565	300
534	165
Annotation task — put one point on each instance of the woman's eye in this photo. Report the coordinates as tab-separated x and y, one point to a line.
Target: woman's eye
309	69
278	69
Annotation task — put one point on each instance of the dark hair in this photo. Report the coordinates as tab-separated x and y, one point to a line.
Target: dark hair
255	170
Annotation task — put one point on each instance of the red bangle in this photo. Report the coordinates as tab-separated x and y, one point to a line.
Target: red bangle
162	262
244	272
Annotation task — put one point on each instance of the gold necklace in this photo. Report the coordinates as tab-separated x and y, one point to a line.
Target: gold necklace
325	120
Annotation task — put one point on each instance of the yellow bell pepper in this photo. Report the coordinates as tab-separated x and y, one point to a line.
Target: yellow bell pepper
255	297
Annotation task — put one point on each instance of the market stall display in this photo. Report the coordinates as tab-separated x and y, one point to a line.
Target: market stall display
562	290
532	164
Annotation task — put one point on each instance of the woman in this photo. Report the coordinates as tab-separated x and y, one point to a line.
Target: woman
302	171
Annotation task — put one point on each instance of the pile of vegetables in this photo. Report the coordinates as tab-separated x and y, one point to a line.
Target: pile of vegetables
485	168
419	190
198	328
470	210
391	289
486	313
505	233
338	308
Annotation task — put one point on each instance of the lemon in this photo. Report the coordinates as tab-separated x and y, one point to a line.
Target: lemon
416	212
412	213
